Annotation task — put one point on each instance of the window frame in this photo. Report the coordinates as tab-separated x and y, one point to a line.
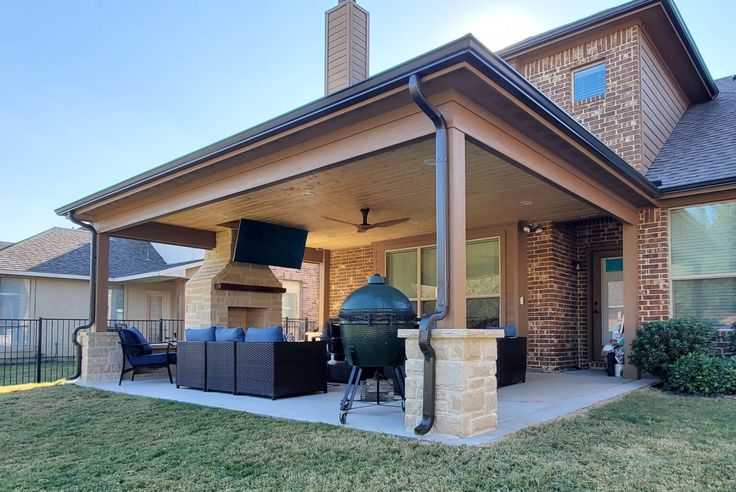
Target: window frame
674	278
298	284
27	291
109	301
588	66
419	298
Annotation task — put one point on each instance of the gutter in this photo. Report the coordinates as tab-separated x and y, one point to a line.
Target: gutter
442	213
92	290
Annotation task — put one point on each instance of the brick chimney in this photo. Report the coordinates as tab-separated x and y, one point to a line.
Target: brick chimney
346	45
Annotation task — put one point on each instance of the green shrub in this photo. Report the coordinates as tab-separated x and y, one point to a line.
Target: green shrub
703	374
659	344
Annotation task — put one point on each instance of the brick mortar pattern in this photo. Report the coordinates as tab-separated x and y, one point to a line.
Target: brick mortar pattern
349	269
614	118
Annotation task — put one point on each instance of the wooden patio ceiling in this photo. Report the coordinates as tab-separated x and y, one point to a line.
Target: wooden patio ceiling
393	184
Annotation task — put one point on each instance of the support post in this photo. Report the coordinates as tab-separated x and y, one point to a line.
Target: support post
631	294
101	290
456	317
324	289
39	353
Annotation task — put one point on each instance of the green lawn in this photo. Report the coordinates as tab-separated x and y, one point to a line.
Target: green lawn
65	437
12	374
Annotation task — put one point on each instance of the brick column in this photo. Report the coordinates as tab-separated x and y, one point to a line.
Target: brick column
102	356
466	401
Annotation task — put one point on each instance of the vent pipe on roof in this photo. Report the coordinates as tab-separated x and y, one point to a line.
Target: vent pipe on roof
346	45
442	213
92	290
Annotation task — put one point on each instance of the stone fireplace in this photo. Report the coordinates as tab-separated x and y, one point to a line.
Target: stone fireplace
225	293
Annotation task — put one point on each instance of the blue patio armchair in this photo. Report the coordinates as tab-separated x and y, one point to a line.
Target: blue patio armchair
137	352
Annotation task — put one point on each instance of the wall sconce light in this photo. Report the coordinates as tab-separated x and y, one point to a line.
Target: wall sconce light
533	227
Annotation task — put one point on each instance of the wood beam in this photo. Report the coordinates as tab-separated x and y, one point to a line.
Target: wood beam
169	234
324	288
457	202
631	294
101	277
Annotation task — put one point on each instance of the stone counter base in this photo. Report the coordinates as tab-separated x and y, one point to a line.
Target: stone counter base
466	400
101	356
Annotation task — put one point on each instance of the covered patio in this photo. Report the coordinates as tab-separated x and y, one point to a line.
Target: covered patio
543	398
513	159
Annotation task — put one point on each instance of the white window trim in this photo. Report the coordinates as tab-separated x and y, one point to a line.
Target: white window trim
674	278
418	300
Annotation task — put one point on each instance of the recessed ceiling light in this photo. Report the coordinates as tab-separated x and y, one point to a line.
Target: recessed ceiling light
429	162
526	203
308	193
414	222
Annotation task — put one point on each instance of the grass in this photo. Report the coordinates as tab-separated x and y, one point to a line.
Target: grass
14	374
72	438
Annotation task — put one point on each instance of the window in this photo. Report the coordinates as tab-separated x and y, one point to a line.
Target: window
414	272
291	300
116	302
14	298
704	262
589	82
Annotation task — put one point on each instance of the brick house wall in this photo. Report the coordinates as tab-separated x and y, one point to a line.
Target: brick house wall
308	277
349	269
552	283
654	251
614	118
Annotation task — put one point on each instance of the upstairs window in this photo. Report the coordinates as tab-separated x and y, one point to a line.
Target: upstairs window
589	82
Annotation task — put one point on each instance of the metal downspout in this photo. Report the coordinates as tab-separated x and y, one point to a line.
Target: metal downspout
429	322
92	290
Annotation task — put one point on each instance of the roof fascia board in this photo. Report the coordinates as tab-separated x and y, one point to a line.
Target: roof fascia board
15	273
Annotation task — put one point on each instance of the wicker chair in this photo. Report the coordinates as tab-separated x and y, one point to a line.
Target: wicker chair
279	369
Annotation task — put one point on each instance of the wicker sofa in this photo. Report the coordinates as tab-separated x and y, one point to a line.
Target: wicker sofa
270	369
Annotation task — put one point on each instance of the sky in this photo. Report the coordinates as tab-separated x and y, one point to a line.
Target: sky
95	91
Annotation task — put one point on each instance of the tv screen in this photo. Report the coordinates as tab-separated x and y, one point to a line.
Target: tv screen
269	244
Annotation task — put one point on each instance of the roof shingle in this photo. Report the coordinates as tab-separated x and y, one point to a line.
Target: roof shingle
64	251
702	147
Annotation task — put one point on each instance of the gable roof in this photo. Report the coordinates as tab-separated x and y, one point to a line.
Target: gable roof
61	251
670	25
701	150
5	244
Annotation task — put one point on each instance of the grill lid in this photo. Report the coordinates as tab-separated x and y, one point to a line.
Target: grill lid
375	300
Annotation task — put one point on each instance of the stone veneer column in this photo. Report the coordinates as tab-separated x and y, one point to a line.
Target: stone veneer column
466	402
101	356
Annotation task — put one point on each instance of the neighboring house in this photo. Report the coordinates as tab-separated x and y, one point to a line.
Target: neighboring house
592	181
47	275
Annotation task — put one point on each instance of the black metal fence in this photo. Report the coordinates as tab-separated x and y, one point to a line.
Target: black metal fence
297	328
41	350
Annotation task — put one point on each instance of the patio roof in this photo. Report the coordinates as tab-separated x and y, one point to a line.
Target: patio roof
466	50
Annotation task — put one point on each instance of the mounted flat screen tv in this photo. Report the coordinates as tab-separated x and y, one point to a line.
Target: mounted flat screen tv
269	244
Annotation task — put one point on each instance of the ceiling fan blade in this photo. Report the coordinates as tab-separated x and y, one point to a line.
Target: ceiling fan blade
388	223
342	221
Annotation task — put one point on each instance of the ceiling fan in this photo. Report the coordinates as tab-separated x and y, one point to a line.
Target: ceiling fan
365	226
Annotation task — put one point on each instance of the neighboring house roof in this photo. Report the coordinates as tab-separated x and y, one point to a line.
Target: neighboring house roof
466	49
61	251
4	244
701	150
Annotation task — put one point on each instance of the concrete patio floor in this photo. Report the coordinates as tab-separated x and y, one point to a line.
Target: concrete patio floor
543	398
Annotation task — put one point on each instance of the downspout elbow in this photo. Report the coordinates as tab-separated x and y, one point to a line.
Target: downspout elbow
429	322
92	292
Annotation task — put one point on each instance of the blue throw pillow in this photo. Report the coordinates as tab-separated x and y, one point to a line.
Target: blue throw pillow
223	334
146	348
270	334
200	334
509	331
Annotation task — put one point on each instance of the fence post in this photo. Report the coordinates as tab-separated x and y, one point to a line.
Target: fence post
160	329
38	350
